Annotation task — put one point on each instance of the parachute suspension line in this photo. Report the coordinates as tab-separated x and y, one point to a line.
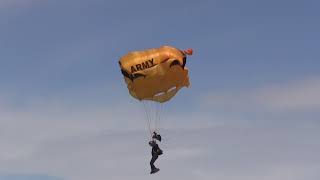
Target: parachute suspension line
163	112
156	108
153	115
152	106
156	121
158	115
148	118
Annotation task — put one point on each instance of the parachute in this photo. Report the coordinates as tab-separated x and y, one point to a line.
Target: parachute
155	74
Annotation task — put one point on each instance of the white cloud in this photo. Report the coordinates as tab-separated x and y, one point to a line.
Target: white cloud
183	153
225	153
300	95
81	142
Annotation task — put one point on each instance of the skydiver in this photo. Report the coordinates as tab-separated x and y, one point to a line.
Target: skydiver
155	152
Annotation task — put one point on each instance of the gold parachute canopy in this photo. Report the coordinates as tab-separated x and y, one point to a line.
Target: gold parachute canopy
155	74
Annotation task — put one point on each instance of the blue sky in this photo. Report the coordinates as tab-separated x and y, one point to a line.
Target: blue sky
254	99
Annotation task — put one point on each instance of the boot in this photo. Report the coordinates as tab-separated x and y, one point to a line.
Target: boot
154	170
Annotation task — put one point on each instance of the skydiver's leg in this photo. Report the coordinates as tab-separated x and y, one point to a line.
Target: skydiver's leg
153	159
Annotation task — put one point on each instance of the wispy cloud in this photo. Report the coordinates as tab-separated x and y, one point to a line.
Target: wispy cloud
300	95
27	177
96	142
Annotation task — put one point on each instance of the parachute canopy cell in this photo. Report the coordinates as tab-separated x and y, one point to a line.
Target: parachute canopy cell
155	74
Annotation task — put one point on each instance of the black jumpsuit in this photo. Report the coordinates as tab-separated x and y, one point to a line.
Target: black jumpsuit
155	153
